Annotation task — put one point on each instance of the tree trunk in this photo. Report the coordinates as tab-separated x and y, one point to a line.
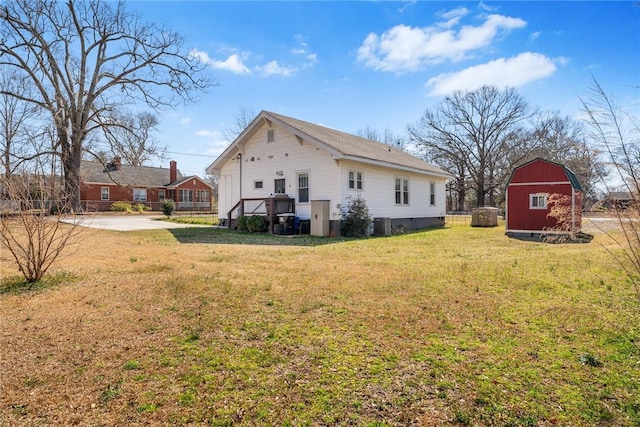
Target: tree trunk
71	157
462	194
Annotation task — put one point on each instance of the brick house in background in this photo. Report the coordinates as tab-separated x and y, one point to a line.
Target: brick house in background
104	184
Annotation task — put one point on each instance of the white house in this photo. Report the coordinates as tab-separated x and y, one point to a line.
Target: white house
319	169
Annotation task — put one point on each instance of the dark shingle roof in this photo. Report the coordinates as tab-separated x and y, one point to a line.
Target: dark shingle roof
144	176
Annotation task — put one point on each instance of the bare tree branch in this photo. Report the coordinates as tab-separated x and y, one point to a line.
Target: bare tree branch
87	58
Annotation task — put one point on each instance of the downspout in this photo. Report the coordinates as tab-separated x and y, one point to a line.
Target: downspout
573	210
240	183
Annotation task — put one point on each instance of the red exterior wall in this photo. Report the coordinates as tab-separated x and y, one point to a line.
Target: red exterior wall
90	195
539	171
195	185
537	177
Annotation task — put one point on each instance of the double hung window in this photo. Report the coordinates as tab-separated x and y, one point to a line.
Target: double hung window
303	188
402	191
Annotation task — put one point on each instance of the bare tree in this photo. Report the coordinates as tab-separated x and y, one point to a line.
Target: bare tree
241	120
386	137
87	59
131	137
34	238
16	120
477	128
617	132
562	139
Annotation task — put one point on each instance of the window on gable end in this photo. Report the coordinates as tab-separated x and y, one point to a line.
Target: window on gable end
271	135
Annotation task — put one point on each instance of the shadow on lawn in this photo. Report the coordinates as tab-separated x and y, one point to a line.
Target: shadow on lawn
222	236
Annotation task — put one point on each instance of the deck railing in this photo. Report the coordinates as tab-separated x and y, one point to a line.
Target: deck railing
268	207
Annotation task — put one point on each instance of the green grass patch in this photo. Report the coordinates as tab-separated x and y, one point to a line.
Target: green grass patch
17	285
451	326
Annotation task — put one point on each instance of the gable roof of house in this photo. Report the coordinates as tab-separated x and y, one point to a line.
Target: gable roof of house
573	179
144	176
340	145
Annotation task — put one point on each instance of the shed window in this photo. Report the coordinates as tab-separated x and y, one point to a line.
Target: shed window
104	193
355	180
538	201
139	194
402	191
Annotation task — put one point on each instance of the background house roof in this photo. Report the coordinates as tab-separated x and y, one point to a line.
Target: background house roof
143	176
340	144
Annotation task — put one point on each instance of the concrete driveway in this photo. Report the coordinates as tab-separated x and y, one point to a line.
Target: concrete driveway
126	222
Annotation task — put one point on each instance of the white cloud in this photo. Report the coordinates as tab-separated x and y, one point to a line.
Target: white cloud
514	72
407	4
404	48
216	142
233	63
209	133
273	68
452	17
185	121
534	36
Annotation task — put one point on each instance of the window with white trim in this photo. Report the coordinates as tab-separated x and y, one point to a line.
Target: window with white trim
279	186
356	179
402	191
303	188
104	193
271	135
139	194
161	194
186	195
432	193
202	195
538	201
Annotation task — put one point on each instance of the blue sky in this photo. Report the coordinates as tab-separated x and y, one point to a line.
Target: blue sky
349	65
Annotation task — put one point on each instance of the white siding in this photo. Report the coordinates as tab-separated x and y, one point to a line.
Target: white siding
379	192
286	156
228	181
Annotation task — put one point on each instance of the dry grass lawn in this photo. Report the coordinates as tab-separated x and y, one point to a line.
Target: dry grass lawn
200	326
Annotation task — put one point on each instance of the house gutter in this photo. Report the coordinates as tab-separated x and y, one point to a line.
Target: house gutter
442	174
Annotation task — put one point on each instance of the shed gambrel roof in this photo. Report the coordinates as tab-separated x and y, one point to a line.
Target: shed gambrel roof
573	179
127	175
340	145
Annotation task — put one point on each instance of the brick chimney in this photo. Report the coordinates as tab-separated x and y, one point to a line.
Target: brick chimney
173	171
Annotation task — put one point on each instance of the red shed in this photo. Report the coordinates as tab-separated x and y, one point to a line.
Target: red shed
528	189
